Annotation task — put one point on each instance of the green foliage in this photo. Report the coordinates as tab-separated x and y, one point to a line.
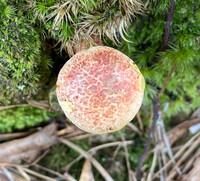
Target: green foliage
20	56
146	33
21	118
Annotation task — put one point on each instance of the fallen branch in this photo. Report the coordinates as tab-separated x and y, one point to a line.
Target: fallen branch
29	147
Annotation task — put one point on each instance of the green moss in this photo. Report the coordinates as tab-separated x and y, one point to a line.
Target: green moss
22	117
20	57
183	49
72	22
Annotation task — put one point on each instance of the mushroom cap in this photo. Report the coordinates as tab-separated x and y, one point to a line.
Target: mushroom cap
100	89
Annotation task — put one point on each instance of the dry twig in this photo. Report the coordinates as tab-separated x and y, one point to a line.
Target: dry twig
178	154
68	177
86	174
140	121
97	165
29	147
14	135
147	145
93	150
126	156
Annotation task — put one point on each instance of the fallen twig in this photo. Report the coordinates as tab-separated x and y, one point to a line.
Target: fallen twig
191	161
160	152
168	146
38	174
134	128
194	174
153	165
126	156
79	137
69	177
147	145
12	106
184	157
24	174
140	122
93	150
8	174
177	154
97	165
86	173
14	135
181	130
39	104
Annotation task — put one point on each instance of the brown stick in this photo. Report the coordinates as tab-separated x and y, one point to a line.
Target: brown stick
13	106
148	142
184	157
93	150
126	156
17	150
68	178
166	81
97	165
140	122
168	26
38	104
178	154
14	135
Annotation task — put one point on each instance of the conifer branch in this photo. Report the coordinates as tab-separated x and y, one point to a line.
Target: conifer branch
168	26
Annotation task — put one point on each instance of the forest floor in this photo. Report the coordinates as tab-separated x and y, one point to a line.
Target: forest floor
60	151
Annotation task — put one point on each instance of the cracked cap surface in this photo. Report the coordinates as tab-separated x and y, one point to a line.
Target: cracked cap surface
100	89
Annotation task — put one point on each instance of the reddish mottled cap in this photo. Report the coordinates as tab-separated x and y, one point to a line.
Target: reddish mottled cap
100	89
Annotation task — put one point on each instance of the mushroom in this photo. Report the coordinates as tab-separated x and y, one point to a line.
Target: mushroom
100	89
